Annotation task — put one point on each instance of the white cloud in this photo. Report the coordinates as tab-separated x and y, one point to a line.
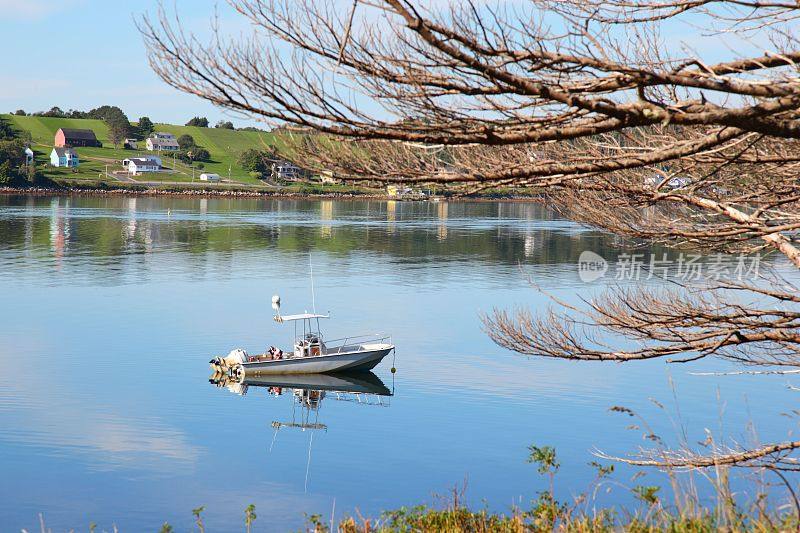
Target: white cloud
110	435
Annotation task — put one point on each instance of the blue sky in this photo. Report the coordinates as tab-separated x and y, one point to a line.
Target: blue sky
81	54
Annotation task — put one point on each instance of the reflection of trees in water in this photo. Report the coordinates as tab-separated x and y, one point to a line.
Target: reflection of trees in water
493	232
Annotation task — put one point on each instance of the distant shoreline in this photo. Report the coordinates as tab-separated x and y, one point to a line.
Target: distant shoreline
240	193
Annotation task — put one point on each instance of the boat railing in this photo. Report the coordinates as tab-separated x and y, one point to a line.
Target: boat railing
362	398
337	345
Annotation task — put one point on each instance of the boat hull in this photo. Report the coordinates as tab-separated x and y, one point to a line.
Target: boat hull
361	360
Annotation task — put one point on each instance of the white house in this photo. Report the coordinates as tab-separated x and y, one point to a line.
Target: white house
161	141
399	190
207	176
137	165
287	171
28	155
62	156
678	182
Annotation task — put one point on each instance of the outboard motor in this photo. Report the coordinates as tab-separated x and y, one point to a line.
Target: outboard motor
223	364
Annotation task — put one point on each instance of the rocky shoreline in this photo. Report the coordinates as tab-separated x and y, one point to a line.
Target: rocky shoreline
235	193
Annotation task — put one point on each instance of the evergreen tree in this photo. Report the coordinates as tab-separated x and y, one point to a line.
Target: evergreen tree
200	122
6	131
118	128
145	127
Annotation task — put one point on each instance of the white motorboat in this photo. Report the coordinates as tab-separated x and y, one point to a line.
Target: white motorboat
311	354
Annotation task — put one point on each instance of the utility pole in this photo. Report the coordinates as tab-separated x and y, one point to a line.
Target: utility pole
191	164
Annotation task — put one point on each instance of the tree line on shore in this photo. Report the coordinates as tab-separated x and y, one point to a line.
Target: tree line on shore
13	167
104	111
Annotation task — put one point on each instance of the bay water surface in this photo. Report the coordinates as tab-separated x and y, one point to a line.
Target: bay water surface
110	309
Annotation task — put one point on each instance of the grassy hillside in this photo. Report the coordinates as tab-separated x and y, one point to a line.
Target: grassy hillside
223	145
43	129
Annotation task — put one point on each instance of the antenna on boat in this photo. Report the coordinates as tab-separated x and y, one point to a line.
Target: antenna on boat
313	299
310	442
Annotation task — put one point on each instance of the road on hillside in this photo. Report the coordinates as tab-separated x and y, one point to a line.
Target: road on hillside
121	176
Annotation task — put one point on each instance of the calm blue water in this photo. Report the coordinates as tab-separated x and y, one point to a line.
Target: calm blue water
110	309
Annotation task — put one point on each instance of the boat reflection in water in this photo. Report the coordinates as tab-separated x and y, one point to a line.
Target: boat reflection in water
356	383
308	392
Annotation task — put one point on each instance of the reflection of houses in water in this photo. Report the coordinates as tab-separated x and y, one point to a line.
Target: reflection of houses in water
441	213
59	228
139	234
130	228
149	238
528	245
30	205
326	216
524	211
391	216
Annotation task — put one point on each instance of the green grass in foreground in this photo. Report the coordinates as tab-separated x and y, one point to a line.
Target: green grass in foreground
545	516
678	512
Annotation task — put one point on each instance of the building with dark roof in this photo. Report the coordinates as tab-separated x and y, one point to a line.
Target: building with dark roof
137	165
76	137
64	157
159	141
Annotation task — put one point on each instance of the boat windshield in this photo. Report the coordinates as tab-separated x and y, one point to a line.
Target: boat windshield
311	332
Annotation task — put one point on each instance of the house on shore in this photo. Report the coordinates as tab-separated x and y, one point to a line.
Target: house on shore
64	156
208	176
287	171
138	165
76	137
159	142
402	191
327	177
130	144
673	183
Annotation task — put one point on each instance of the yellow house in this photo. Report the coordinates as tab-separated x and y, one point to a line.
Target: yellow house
326	177
399	190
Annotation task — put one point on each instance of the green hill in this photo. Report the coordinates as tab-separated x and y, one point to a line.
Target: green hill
223	145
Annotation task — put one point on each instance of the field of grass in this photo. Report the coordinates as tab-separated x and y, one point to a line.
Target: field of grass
223	145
